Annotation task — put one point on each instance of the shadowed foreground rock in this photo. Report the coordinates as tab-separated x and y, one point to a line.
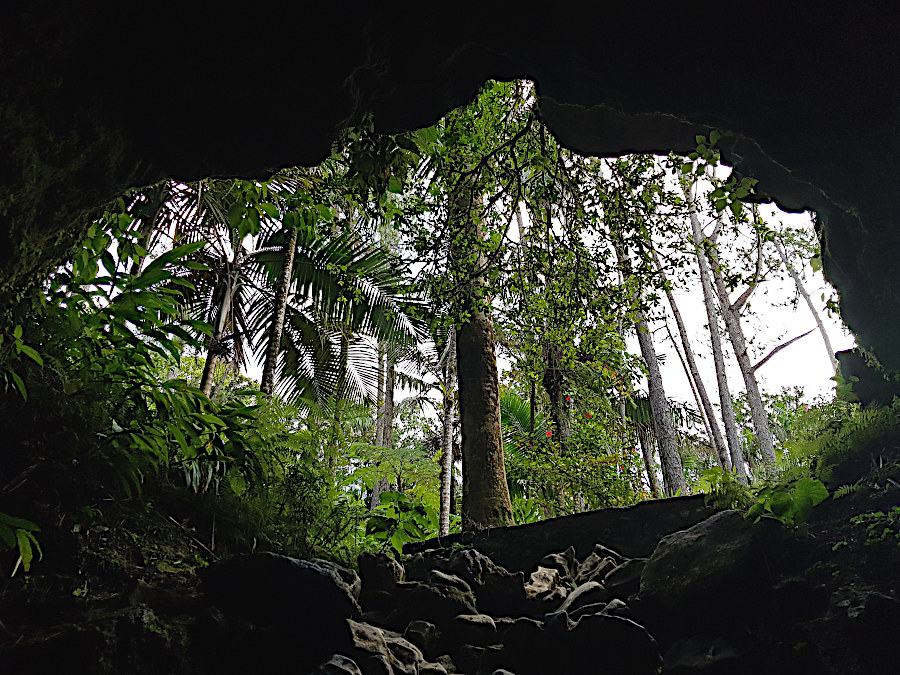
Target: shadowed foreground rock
720	595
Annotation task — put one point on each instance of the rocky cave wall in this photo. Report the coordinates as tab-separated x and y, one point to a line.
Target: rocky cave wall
96	99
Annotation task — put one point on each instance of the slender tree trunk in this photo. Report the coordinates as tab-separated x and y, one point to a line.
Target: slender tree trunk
757	410
387	428
801	289
447	438
486	501
673	472
207	379
715	433
645	440
727	409
276	328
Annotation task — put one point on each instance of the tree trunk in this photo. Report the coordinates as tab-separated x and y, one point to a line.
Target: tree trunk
221	322
645	440
447	437
801	289
728	419
387	429
715	433
673	472
486	501
757	410
276	328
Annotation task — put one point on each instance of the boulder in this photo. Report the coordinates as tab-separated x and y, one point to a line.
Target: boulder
625	580
273	590
472	629
497	591
586	594
541	581
425	636
437	604
340	665
594	568
379	572
726	556
274	608
564	563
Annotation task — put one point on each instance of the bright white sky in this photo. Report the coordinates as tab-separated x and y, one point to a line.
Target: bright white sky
804	363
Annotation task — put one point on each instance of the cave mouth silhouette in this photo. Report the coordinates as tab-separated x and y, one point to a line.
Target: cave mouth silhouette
96	100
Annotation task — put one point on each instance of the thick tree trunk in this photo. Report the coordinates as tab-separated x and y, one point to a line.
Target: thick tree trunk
447	436
673	472
728	419
757	410
276	328
715	433
801	289
486	501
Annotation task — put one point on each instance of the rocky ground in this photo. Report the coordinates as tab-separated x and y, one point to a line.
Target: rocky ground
672	587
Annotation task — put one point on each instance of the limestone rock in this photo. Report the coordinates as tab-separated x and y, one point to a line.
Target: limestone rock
339	665
692	570
273	590
425	636
586	594
472	629
497	591
594	568
542	580
565	563
413	600
378	571
438	578
625	580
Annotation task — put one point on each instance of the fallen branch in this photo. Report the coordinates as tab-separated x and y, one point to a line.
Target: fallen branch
780	347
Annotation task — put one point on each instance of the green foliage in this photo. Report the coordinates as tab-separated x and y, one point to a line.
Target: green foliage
724	491
401	519
18	533
840	431
791	503
880	527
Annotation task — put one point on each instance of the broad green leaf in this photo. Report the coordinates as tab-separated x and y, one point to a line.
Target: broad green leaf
7	535
235	214
30	352
13	521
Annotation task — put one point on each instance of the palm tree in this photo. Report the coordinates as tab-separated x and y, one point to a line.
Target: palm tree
339	298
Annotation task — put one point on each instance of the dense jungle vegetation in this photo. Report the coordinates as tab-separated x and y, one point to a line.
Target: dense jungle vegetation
307	363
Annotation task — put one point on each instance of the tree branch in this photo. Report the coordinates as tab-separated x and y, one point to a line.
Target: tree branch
780	347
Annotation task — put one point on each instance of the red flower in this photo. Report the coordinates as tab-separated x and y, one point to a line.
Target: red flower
549	434
589	415
568	399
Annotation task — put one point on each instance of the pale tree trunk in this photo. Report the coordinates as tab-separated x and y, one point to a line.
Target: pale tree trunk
447	437
733	324
728	419
673	472
486	501
207	379
715	433
645	440
276	328
801	289
387	428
